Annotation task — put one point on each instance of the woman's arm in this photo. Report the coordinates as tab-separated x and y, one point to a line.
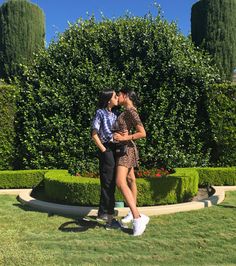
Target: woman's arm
139	134
97	141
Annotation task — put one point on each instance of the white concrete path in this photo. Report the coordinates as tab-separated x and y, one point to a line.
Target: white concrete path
53	208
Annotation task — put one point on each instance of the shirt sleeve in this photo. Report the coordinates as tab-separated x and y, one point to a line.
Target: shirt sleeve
96	124
134	117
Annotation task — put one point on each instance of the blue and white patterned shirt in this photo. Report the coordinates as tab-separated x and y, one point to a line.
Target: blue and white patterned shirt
103	123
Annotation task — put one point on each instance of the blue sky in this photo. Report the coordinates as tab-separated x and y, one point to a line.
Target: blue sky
59	12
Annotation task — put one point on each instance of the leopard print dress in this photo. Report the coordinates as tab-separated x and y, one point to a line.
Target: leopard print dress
128	120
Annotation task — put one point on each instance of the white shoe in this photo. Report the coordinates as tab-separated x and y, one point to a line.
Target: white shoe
128	218
139	225
146	219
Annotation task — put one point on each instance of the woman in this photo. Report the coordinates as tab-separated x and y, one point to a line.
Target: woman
125	178
103	137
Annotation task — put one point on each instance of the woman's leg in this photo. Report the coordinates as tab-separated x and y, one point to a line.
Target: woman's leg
132	183
121	182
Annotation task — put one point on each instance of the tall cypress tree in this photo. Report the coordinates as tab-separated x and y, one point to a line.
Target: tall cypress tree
22	32
213	27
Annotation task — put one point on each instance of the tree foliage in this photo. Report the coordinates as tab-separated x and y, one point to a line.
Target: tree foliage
7	126
222	110
59	93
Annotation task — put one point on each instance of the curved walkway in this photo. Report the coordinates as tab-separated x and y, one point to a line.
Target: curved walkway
68	210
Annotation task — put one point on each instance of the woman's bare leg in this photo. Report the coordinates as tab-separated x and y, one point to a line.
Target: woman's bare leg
121	182
132	184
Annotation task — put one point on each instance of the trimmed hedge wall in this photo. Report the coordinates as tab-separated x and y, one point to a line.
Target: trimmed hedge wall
222	176
60	186
7	130
222	114
217	176
189	182
21	179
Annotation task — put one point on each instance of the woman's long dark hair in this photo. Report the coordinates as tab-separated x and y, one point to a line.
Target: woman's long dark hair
104	98
132	95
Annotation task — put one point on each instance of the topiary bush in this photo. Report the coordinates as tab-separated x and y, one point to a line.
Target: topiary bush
213	24
22	33
59	92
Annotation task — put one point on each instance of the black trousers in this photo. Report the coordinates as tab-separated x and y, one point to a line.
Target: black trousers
107	169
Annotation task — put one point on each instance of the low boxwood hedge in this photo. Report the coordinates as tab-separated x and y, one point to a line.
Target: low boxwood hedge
21	179
60	186
217	176
189	182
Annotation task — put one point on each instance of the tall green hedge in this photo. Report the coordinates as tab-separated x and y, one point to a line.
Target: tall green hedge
7	126
59	93
22	33
213	27
222	113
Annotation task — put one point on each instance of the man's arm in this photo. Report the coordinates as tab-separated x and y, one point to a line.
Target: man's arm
97	141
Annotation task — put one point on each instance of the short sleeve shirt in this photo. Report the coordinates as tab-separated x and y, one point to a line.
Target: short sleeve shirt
103	123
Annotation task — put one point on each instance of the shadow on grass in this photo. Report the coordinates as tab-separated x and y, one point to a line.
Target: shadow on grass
227	206
25	207
30	209
84	223
78	226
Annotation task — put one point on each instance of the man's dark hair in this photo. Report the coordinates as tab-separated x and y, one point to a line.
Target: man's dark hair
104	98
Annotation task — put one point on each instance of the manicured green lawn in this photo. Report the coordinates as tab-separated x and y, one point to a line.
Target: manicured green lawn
204	237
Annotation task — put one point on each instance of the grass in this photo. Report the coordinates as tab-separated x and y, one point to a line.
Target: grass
203	237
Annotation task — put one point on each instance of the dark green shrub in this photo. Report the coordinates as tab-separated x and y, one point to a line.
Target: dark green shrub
22	33
61	187
7	123
59	93
188	185
21	179
222	114
165	190
217	176
213	24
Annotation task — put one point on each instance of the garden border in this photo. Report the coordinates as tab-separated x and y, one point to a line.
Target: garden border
53	208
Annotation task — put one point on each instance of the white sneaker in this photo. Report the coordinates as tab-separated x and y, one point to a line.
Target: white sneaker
146	219
128	218
139	225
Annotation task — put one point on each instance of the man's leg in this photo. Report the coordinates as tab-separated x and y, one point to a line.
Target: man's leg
107	168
